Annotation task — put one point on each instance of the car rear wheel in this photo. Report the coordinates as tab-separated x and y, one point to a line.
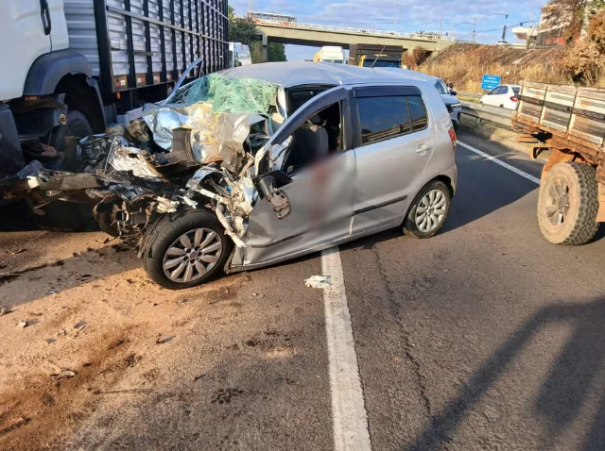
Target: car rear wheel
429	211
187	250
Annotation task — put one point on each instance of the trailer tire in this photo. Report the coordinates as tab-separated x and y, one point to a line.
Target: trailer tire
568	204
168	235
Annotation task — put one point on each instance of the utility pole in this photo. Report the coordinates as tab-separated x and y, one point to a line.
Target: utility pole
474	28
396	12
250	8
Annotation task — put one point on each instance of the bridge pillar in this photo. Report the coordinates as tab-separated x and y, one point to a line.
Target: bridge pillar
265	47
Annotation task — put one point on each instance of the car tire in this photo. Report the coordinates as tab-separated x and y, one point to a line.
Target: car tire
428	211
568	204
172	257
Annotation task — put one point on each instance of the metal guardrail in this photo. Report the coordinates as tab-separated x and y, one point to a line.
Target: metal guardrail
363	31
499	116
470	94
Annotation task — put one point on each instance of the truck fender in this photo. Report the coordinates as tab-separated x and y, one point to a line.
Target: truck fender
48	70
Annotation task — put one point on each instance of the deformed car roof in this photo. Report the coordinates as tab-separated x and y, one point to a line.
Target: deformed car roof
306	73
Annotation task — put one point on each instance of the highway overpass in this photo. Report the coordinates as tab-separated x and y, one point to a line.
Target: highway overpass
320	35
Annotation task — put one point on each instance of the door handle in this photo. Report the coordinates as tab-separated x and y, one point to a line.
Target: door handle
423	148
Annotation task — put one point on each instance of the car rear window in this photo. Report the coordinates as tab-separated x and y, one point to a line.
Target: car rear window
383	118
516	90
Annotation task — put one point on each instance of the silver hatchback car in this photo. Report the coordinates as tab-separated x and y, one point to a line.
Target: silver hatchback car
355	151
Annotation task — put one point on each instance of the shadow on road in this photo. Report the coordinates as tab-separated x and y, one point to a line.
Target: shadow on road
563	393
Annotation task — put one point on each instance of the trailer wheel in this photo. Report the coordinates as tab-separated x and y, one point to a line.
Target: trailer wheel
568	204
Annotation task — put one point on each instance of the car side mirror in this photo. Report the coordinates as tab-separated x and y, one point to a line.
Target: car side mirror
454	93
269	188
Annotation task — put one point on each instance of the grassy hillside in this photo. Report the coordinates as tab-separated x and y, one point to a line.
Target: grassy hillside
465	65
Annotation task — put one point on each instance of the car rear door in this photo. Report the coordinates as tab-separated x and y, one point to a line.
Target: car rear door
394	140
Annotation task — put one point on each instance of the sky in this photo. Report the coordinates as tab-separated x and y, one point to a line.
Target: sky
412	16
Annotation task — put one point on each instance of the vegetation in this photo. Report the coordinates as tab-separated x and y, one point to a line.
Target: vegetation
575	13
243	29
584	61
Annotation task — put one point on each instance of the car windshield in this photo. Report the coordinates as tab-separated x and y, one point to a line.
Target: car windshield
441	87
380	63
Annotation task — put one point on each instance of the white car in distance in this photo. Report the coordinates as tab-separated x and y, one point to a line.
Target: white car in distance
503	96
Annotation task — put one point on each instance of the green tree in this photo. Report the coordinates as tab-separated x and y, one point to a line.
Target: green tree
277	52
242	29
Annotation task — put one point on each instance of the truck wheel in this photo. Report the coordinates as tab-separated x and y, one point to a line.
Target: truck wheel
187	250
428	211
78	126
568	204
66	216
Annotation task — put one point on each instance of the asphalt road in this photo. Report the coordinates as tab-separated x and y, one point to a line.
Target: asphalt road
485	337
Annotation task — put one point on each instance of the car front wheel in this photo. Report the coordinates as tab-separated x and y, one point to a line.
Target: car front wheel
429	211
187	250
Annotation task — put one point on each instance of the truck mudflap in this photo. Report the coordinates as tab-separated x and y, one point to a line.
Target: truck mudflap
11	157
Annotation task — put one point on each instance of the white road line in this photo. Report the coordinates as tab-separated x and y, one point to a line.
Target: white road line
525	175
350	419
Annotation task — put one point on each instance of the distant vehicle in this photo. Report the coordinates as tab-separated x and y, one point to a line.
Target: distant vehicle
330	54
453	105
280	19
503	96
239	55
502	43
372	55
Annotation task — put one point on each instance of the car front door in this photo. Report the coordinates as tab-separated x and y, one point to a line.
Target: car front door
320	193
394	140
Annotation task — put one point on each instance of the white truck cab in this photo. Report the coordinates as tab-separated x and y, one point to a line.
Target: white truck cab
28	30
71	66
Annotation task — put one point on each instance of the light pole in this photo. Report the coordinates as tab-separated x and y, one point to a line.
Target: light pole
396	12
485	21
249	8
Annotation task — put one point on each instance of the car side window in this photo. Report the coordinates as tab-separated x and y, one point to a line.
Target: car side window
383	118
495	92
419	116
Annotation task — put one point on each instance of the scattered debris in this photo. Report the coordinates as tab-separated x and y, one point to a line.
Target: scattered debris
18	251
23	324
5	311
320	282
197	378
52	292
161	341
65	373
